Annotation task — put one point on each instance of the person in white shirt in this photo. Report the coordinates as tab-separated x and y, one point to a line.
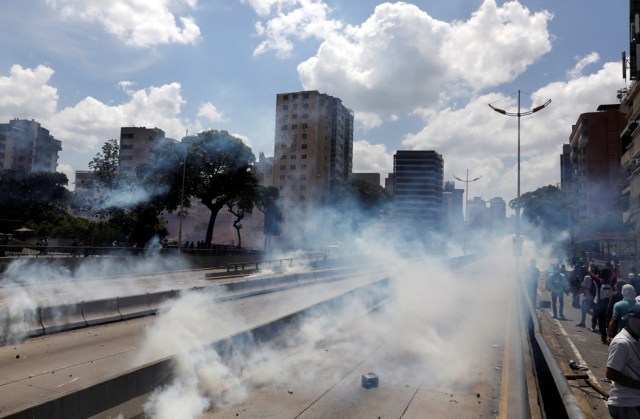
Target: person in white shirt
623	369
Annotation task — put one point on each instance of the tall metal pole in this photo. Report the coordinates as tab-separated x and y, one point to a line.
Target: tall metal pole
517	240
466	205
184	171
518	201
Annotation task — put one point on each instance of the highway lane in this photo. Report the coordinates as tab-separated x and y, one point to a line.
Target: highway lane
427	367
437	347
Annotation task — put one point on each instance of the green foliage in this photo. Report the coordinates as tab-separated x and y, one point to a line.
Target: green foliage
105	165
217	169
545	208
27	196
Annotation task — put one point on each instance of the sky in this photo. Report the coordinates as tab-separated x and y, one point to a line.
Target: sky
417	75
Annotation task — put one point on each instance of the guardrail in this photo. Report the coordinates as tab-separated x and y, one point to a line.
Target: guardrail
558	399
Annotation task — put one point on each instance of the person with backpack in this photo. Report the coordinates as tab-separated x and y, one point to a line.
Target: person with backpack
605	281
588	292
556	282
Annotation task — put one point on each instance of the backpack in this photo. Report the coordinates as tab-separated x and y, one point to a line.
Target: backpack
556	281
605	291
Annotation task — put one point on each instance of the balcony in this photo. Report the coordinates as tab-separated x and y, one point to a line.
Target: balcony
583	141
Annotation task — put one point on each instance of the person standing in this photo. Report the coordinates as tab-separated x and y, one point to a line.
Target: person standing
587	293
621	309
556	282
623	369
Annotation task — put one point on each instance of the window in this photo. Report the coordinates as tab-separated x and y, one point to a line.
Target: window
303	177
284	127
285	107
304	135
305	95
303	166
126	147
292	167
126	158
294	126
304	126
283	157
294	116
303	146
285	97
304	156
126	135
303	187
302	197
305	115
293	157
283	167
305	106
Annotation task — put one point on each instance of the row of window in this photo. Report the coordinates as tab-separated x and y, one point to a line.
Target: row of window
295	106
294	116
294	96
293	156
293	177
292	197
294	126
292	167
292	147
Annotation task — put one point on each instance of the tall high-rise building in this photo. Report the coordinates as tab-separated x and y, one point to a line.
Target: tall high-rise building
595	157
418	188
452	201
313	151
566	169
25	145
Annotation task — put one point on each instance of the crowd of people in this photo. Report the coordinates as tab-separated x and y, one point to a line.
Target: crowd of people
614	305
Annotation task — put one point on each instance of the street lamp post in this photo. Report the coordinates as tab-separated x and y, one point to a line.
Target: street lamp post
517	249
467	182
184	173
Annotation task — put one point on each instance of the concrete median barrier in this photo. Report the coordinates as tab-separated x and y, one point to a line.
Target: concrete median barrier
62	317
133	306
157	298
15	326
101	311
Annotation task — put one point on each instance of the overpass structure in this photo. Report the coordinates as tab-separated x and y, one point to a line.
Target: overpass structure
325	341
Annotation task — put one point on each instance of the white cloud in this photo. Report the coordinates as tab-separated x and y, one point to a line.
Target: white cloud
401	58
582	63
139	24
291	19
26	91
476	138
369	157
210	112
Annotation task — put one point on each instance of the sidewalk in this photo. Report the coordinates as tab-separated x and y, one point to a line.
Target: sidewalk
579	344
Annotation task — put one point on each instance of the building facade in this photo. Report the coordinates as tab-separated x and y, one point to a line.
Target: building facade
25	145
136	146
418	189
452	199
313	152
595	153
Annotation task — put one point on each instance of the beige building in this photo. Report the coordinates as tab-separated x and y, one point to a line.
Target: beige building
136	146
313	150
25	145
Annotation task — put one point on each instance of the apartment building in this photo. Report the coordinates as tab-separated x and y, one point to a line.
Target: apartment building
137	145
595	157
25	145
313	151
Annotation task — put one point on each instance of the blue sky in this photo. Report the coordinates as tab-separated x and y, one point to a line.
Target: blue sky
417	75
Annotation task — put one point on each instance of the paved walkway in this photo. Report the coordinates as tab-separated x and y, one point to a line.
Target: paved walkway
570	342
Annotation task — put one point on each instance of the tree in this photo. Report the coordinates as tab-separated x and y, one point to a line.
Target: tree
546	209
105	165
30	195
243	203
217	170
